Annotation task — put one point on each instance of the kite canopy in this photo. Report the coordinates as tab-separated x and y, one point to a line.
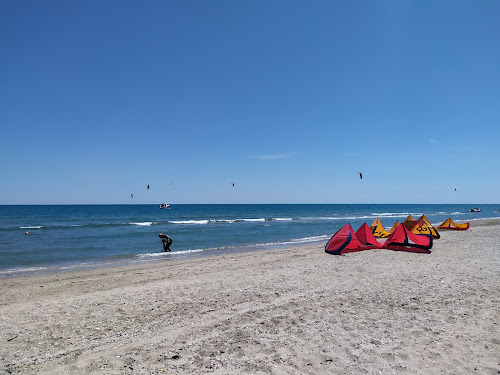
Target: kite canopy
366	237
394	227
424	218
404	240
424	226
378	229
344	241
409	222
451	225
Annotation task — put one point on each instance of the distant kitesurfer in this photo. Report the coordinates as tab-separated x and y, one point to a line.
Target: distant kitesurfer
167	241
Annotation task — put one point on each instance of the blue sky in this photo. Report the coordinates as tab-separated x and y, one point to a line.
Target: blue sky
287	99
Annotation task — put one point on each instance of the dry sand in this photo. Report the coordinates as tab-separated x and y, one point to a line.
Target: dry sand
287	311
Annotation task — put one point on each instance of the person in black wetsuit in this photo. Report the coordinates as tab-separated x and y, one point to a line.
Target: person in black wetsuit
166	240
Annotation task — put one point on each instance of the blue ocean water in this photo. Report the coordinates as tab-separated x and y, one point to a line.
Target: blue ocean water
70	237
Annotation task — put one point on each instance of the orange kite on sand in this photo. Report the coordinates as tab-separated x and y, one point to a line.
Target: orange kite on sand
396	224
451	225
409	222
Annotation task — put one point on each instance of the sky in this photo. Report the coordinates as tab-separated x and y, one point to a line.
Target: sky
288	100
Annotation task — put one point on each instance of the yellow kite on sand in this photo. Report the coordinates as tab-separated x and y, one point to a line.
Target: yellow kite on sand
379	231
424	226
450	224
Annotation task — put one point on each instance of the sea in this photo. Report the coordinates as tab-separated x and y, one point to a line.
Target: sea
53	238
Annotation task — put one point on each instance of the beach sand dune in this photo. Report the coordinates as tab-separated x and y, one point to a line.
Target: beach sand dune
287	311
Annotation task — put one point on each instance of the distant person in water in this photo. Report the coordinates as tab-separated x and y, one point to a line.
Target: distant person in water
166	240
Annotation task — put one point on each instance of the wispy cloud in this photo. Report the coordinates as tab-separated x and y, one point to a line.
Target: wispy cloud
433	141
273	156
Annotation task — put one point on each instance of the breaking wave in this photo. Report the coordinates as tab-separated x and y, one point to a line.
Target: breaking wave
189	221
144	223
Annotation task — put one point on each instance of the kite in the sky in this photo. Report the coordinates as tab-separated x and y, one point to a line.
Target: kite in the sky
455	189
232	183
148	186
360	175
131	195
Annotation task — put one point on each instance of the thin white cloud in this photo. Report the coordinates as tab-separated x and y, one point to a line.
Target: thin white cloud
433	141
273	156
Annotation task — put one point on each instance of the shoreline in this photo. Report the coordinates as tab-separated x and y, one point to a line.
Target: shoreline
149	259
160	256
280	311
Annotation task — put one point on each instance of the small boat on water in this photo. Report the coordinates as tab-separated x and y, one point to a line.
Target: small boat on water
475	209
164	205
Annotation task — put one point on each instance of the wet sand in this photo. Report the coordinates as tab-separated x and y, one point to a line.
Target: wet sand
287	311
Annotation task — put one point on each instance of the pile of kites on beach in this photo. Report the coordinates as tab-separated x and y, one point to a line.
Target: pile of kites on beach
411	235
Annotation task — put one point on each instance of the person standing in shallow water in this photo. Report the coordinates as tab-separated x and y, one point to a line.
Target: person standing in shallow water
167	241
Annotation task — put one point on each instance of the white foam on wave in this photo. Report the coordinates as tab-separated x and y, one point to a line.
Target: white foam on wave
180	252
322	218
338	217
308	239
297	241
254	220
187	251
143	224
11	271
31	227
228	221
283	219
189	222
357	217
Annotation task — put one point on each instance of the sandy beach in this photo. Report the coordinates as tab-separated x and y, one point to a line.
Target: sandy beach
287	311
